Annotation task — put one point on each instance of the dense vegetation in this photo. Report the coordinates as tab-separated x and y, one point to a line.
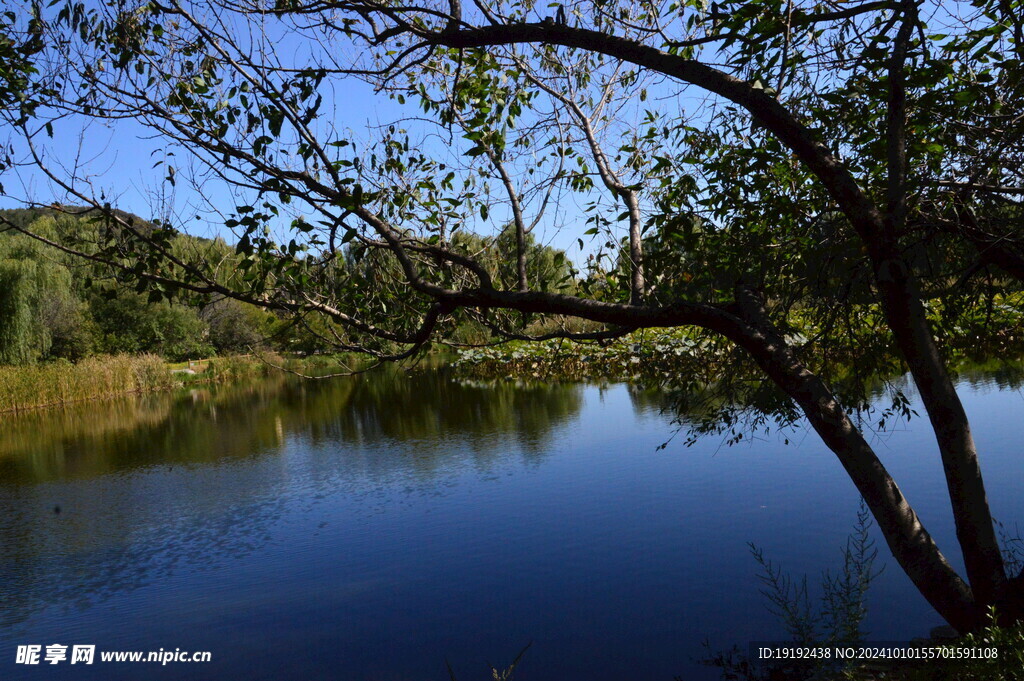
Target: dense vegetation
54	305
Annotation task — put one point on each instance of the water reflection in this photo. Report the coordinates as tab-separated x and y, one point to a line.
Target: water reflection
1000	375
371	528
233	422
100	499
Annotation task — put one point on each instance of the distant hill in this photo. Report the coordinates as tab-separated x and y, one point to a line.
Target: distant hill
23	217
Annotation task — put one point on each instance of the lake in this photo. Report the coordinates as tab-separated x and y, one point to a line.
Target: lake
373	528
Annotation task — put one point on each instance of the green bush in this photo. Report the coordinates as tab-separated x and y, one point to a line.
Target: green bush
1007	665
131	324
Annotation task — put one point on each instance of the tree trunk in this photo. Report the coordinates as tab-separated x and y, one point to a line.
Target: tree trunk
975	529
909	541
636	249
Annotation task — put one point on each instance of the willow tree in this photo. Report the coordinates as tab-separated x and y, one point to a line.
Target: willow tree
40	315
851	163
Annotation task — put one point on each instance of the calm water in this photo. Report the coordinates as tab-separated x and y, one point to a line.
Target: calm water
370	529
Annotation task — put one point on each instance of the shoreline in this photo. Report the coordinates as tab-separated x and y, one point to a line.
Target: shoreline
25	389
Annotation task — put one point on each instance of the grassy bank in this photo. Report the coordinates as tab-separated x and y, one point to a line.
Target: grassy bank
23	388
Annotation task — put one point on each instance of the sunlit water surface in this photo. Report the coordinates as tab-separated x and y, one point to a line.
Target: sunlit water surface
373	528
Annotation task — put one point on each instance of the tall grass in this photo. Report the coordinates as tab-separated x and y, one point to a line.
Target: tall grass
227	369
44	385
49	385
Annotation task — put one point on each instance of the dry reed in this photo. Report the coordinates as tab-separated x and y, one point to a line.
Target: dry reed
44	385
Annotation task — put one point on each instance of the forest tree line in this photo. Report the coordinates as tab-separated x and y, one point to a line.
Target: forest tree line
56	306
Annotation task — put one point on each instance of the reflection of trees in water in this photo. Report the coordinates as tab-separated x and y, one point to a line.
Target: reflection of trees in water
116	530
118	435
418	425
1004	375
388	425
648	401
431	412
135	507
380	408
744	402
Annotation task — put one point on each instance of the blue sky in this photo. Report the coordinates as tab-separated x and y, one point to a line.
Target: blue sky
118	158
125	163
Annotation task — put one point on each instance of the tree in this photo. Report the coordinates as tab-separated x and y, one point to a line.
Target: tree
40	314
236	328
761	142
128	323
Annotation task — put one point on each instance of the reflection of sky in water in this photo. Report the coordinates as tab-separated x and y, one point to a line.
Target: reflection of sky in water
369	531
